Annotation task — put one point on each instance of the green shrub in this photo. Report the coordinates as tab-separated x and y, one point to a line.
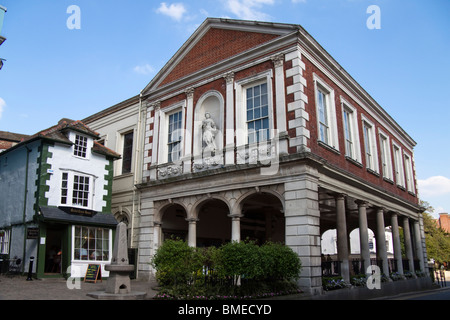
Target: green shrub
236	268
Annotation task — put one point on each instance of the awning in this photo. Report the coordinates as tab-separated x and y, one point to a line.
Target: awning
54	214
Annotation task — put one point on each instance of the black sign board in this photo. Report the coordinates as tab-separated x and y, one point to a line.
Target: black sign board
93	273
78	211
32	233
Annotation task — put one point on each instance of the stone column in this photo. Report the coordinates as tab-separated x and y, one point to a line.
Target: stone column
408	244
187	152
397	246
280	102
419	246
381	242
157	236
303	226
363	235
192	232
236	227
342	237
230	130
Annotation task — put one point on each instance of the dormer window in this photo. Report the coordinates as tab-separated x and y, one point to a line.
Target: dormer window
80	146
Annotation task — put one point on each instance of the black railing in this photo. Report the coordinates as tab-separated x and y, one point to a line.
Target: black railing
331	268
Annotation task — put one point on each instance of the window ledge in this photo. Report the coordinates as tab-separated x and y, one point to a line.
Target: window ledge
353	161
373	172
328	147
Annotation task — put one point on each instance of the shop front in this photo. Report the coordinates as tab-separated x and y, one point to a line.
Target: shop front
70	239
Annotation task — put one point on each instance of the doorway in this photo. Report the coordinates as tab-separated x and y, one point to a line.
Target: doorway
53	251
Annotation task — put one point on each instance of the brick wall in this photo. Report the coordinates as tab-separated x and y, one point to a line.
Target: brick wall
216	45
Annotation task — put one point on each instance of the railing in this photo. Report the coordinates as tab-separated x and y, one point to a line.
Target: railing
331	268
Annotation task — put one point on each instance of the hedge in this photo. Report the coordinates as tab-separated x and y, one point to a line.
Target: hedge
241	268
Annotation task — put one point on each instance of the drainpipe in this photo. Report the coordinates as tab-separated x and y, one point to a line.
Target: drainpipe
25	197
137	170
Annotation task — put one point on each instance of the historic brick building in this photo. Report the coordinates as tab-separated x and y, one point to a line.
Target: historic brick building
252	130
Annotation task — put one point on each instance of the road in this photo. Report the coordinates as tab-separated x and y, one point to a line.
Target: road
437	294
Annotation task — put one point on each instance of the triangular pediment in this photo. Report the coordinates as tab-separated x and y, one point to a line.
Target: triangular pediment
214	41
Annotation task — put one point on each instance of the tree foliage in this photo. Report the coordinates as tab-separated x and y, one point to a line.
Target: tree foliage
437	240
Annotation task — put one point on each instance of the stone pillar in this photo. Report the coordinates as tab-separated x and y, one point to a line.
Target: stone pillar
280	102
145	242
397	246
230	130
342	237
303	226
381	242
236	227
157	236
419	246
363	235
187	152
192	232
408	244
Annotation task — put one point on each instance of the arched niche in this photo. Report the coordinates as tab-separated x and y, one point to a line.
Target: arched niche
211	102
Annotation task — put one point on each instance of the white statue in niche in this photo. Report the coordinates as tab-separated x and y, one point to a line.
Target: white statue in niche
209	134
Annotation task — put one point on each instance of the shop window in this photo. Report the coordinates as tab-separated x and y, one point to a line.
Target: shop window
91	244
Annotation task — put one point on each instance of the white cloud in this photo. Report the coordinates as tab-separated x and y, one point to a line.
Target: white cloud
175	10
434	187
144	69
249	9
2	106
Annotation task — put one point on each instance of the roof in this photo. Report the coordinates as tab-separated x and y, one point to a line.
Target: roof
57	133
58	215
13	137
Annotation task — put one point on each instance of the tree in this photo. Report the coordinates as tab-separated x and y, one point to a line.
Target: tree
436	239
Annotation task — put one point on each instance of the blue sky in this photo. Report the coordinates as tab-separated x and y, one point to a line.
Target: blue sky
54	72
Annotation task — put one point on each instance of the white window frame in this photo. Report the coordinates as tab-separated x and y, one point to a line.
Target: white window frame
385	154
398	166
88	255
165	113
355	152
241	105
410	185
70	189
5	240
332	139
371	143
75	146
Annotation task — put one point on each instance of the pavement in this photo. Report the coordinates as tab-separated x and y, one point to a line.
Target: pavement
18	288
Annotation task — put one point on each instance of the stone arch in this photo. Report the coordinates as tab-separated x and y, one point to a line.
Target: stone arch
237	206
123	214
212	221
262	215
197	205
173	220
